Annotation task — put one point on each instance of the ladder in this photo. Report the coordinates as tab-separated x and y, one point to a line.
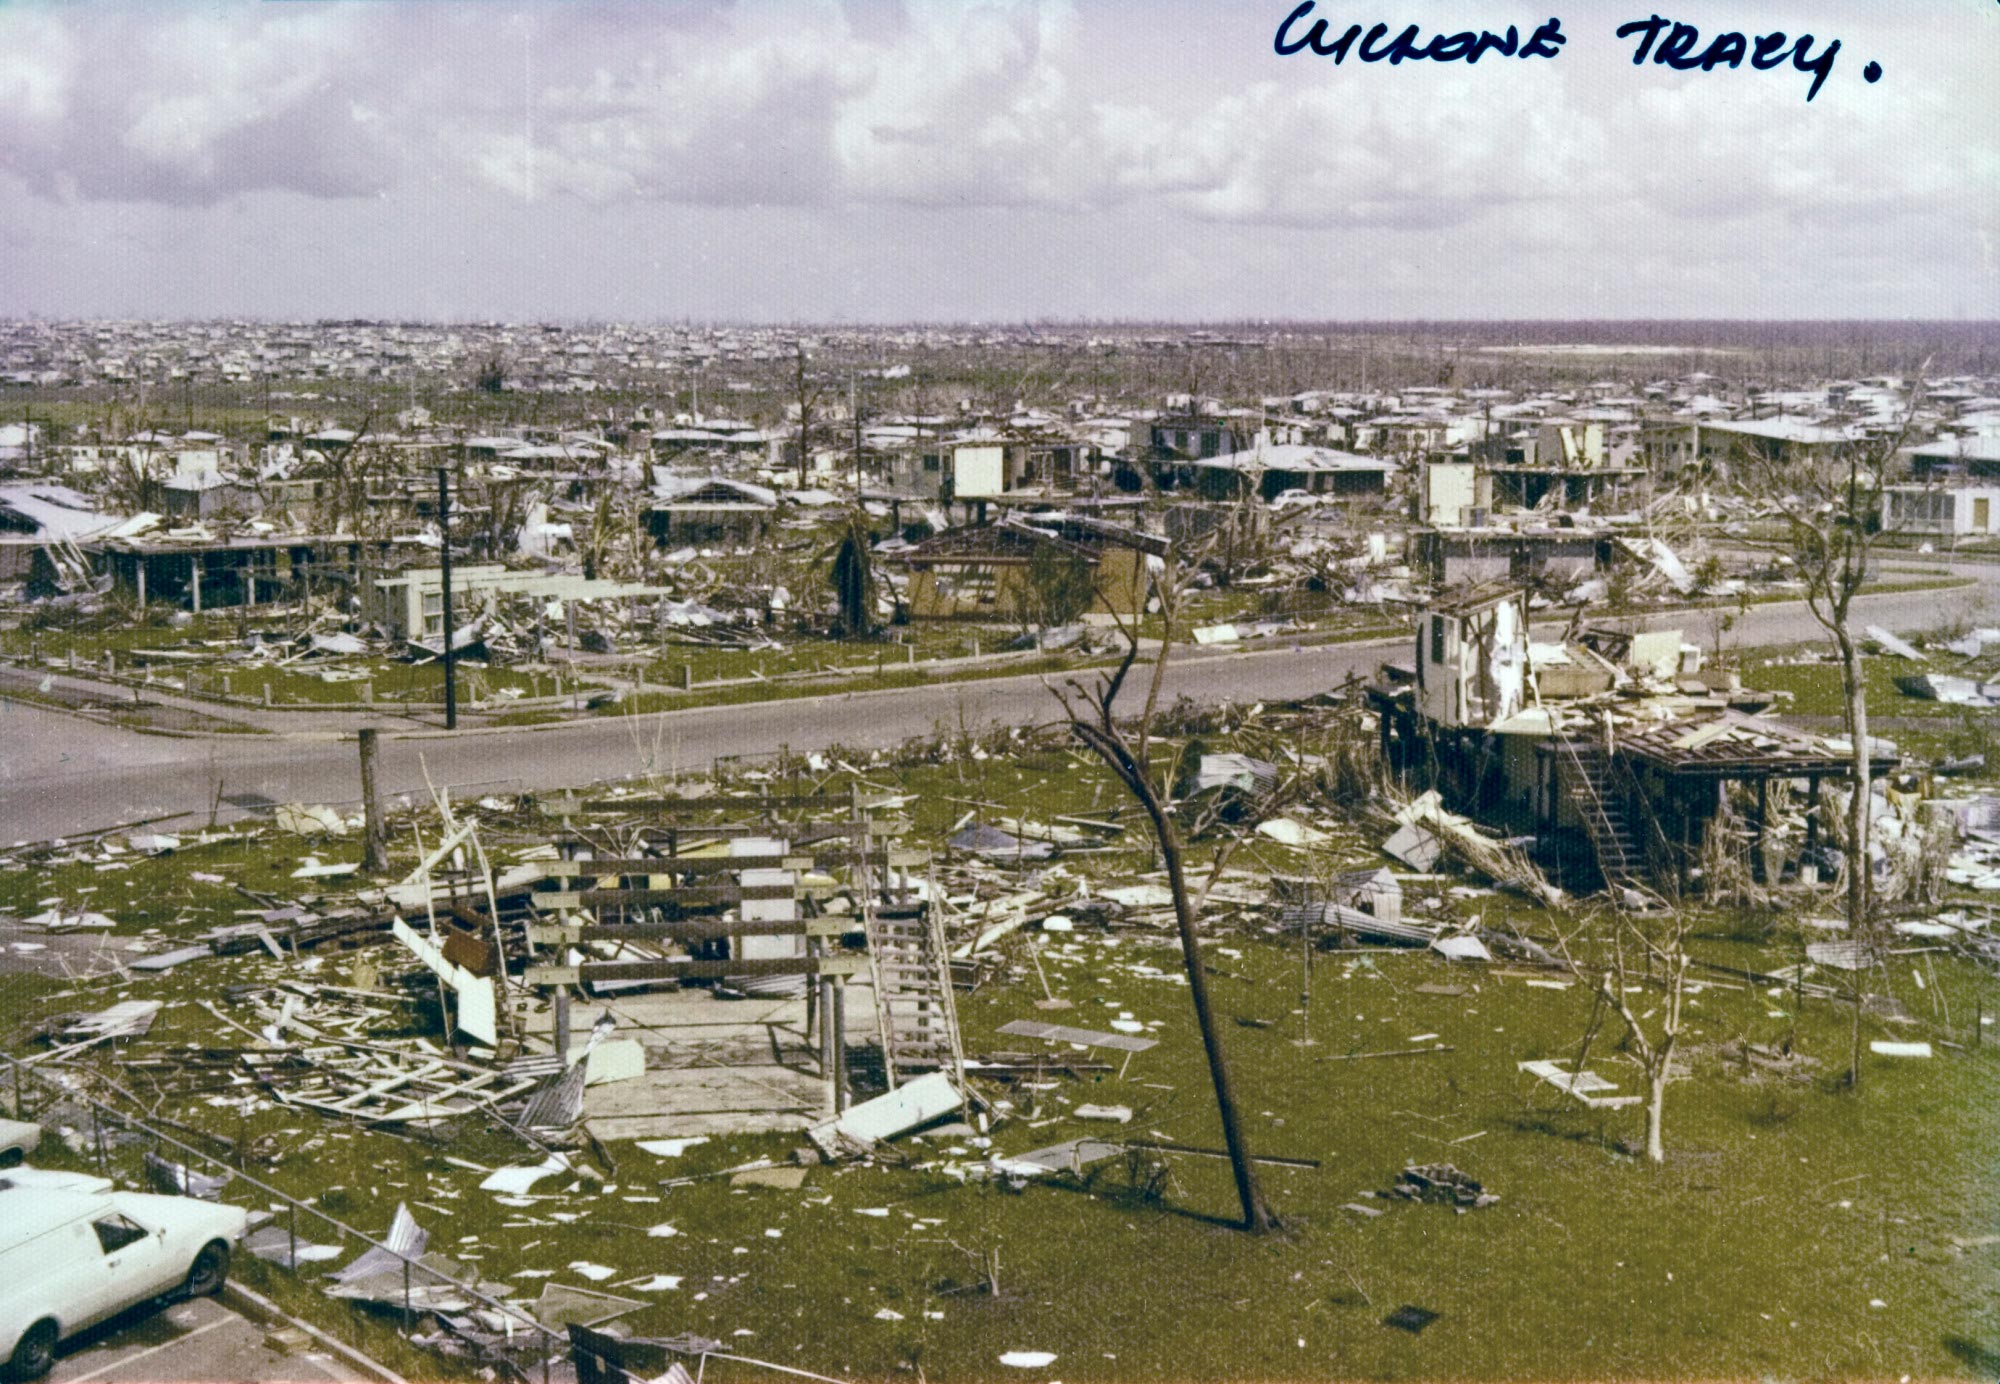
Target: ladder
914	1005
1584	771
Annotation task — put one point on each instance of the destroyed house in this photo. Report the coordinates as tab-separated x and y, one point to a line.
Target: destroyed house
989	571
409	604
1561	466
199	572
1707	443
1452	493
1956	459
36	514
708	509
1270	471
199	494
1190	437
1454	556
750	444
1610	750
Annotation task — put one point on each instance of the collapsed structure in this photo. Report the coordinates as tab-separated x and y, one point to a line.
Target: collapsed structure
1617	748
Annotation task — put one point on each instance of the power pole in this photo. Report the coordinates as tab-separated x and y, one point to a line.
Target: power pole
374	852
444	569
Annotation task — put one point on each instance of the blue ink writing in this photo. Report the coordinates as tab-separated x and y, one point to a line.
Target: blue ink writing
1666	42
1677	50
1366	45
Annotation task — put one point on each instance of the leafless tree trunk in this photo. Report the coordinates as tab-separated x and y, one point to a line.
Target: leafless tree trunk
1662	940
1093	722
1831	504
806	395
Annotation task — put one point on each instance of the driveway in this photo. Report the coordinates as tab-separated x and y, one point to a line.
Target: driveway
202	1340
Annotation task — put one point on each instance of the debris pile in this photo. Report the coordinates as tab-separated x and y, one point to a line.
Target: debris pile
1442	1184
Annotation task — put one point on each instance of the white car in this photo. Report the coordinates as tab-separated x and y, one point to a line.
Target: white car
18	1139
73	1252
1294	499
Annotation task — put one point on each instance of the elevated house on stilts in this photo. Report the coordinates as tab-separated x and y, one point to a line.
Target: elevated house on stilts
1616	751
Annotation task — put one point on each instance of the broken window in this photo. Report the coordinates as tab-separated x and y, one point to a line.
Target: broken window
1437	638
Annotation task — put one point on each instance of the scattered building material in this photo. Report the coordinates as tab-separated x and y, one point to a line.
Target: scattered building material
910	1106
1441	1183
1586	1087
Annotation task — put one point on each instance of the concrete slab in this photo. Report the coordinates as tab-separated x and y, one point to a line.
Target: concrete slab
713	1066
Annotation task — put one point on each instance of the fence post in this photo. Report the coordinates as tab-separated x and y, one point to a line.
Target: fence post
406	1292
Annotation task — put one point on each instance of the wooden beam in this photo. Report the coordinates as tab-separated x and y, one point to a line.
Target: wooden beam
694	896
682	968
688	930
676	865
568	805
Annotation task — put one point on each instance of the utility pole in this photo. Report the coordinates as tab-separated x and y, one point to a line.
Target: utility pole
854	408
374	852
444	569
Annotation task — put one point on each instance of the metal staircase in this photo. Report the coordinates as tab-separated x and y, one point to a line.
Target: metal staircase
914	1005
1584	771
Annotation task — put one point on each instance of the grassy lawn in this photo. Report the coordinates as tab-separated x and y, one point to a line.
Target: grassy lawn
1921	728
217	641
1785	1209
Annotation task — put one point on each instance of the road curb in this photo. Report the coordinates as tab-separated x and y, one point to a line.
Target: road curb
263	1305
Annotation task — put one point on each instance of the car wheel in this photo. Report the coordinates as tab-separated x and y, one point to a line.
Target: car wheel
35	1353
210	1268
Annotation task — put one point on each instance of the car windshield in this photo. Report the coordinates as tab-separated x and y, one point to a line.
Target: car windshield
116	1232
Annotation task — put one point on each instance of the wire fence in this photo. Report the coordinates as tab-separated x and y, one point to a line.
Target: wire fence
415	1272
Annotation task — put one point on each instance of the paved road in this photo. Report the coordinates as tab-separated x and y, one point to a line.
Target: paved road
189	1342
61	774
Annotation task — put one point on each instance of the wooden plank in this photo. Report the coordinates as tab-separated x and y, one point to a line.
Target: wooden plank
680	864
688	930
693	896
683	968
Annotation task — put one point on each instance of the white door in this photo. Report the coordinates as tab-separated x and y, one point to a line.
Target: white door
69	1275
134	1260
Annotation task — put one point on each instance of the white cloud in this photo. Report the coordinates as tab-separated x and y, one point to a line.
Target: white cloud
1051	115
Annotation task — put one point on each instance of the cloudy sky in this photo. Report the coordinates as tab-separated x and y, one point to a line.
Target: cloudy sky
897	160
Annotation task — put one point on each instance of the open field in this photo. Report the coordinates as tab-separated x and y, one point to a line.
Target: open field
1796	1229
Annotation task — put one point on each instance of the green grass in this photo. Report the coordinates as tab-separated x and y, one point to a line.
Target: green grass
217	636
1567	1277
1925	730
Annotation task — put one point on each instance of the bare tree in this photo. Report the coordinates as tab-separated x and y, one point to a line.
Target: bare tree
1094	722
805	396
1658	939
1829	501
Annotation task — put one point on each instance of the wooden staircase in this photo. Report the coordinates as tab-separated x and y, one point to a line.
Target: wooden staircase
914	1005
1584	771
